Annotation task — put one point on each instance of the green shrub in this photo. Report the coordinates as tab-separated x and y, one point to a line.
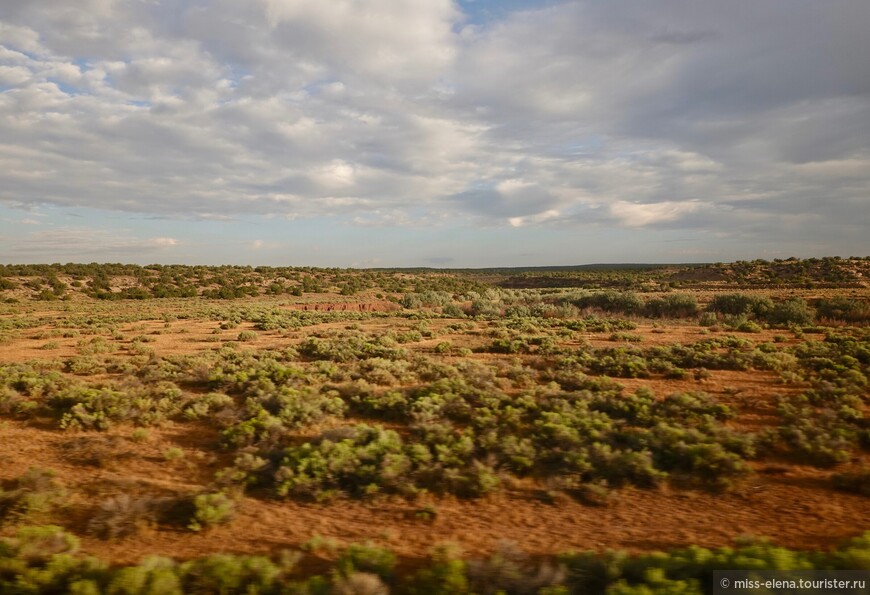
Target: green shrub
173	454
207	405
247	470
674	305
154	575
321	545
270	416
618	362
742	324
139	435
363	460
843	308
86	365
741	304
96	408
792	311
34	494
369	457
224	573
453	311
366	558
444	575
823	437
626	337
507	346
349	348
211	509
412	336
34	544
245	336
45	560
443	347
708	319
485	308
612	301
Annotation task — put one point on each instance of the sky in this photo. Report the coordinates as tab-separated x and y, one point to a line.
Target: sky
381	133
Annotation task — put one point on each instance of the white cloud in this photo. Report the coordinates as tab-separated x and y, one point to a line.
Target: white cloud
83	243
24	38
642	215
399	41
394	112
536	218
14	75
164	242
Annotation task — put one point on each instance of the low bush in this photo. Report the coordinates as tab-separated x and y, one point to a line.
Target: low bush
742	324
674	305
821	436
445	573
45	560
708	319
369	460
792	311
843	308
123	515
245	336
741	304
349	348
359	583
211	509
32	495
626	337
224	573
366	558
510	570
624	302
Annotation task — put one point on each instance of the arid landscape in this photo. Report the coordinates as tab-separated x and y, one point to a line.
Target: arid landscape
430	431
300	297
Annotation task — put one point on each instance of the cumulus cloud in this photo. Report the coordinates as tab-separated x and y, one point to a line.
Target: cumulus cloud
642	215
703	115
393	40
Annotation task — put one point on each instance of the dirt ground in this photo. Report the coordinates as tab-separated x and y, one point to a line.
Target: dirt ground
789	503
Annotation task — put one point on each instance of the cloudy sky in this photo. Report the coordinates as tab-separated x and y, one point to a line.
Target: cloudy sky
433	133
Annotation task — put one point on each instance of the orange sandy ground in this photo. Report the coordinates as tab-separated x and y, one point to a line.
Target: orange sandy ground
789	503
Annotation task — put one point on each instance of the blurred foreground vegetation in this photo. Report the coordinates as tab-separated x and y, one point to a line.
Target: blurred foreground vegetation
44	559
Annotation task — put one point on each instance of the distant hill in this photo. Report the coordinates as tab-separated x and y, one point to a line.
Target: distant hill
121	281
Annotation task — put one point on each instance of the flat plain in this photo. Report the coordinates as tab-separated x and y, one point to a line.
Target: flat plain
352	420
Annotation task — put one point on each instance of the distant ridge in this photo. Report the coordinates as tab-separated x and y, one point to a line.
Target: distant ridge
543	269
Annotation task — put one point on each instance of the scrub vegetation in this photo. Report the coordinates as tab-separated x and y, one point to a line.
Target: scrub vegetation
300	430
